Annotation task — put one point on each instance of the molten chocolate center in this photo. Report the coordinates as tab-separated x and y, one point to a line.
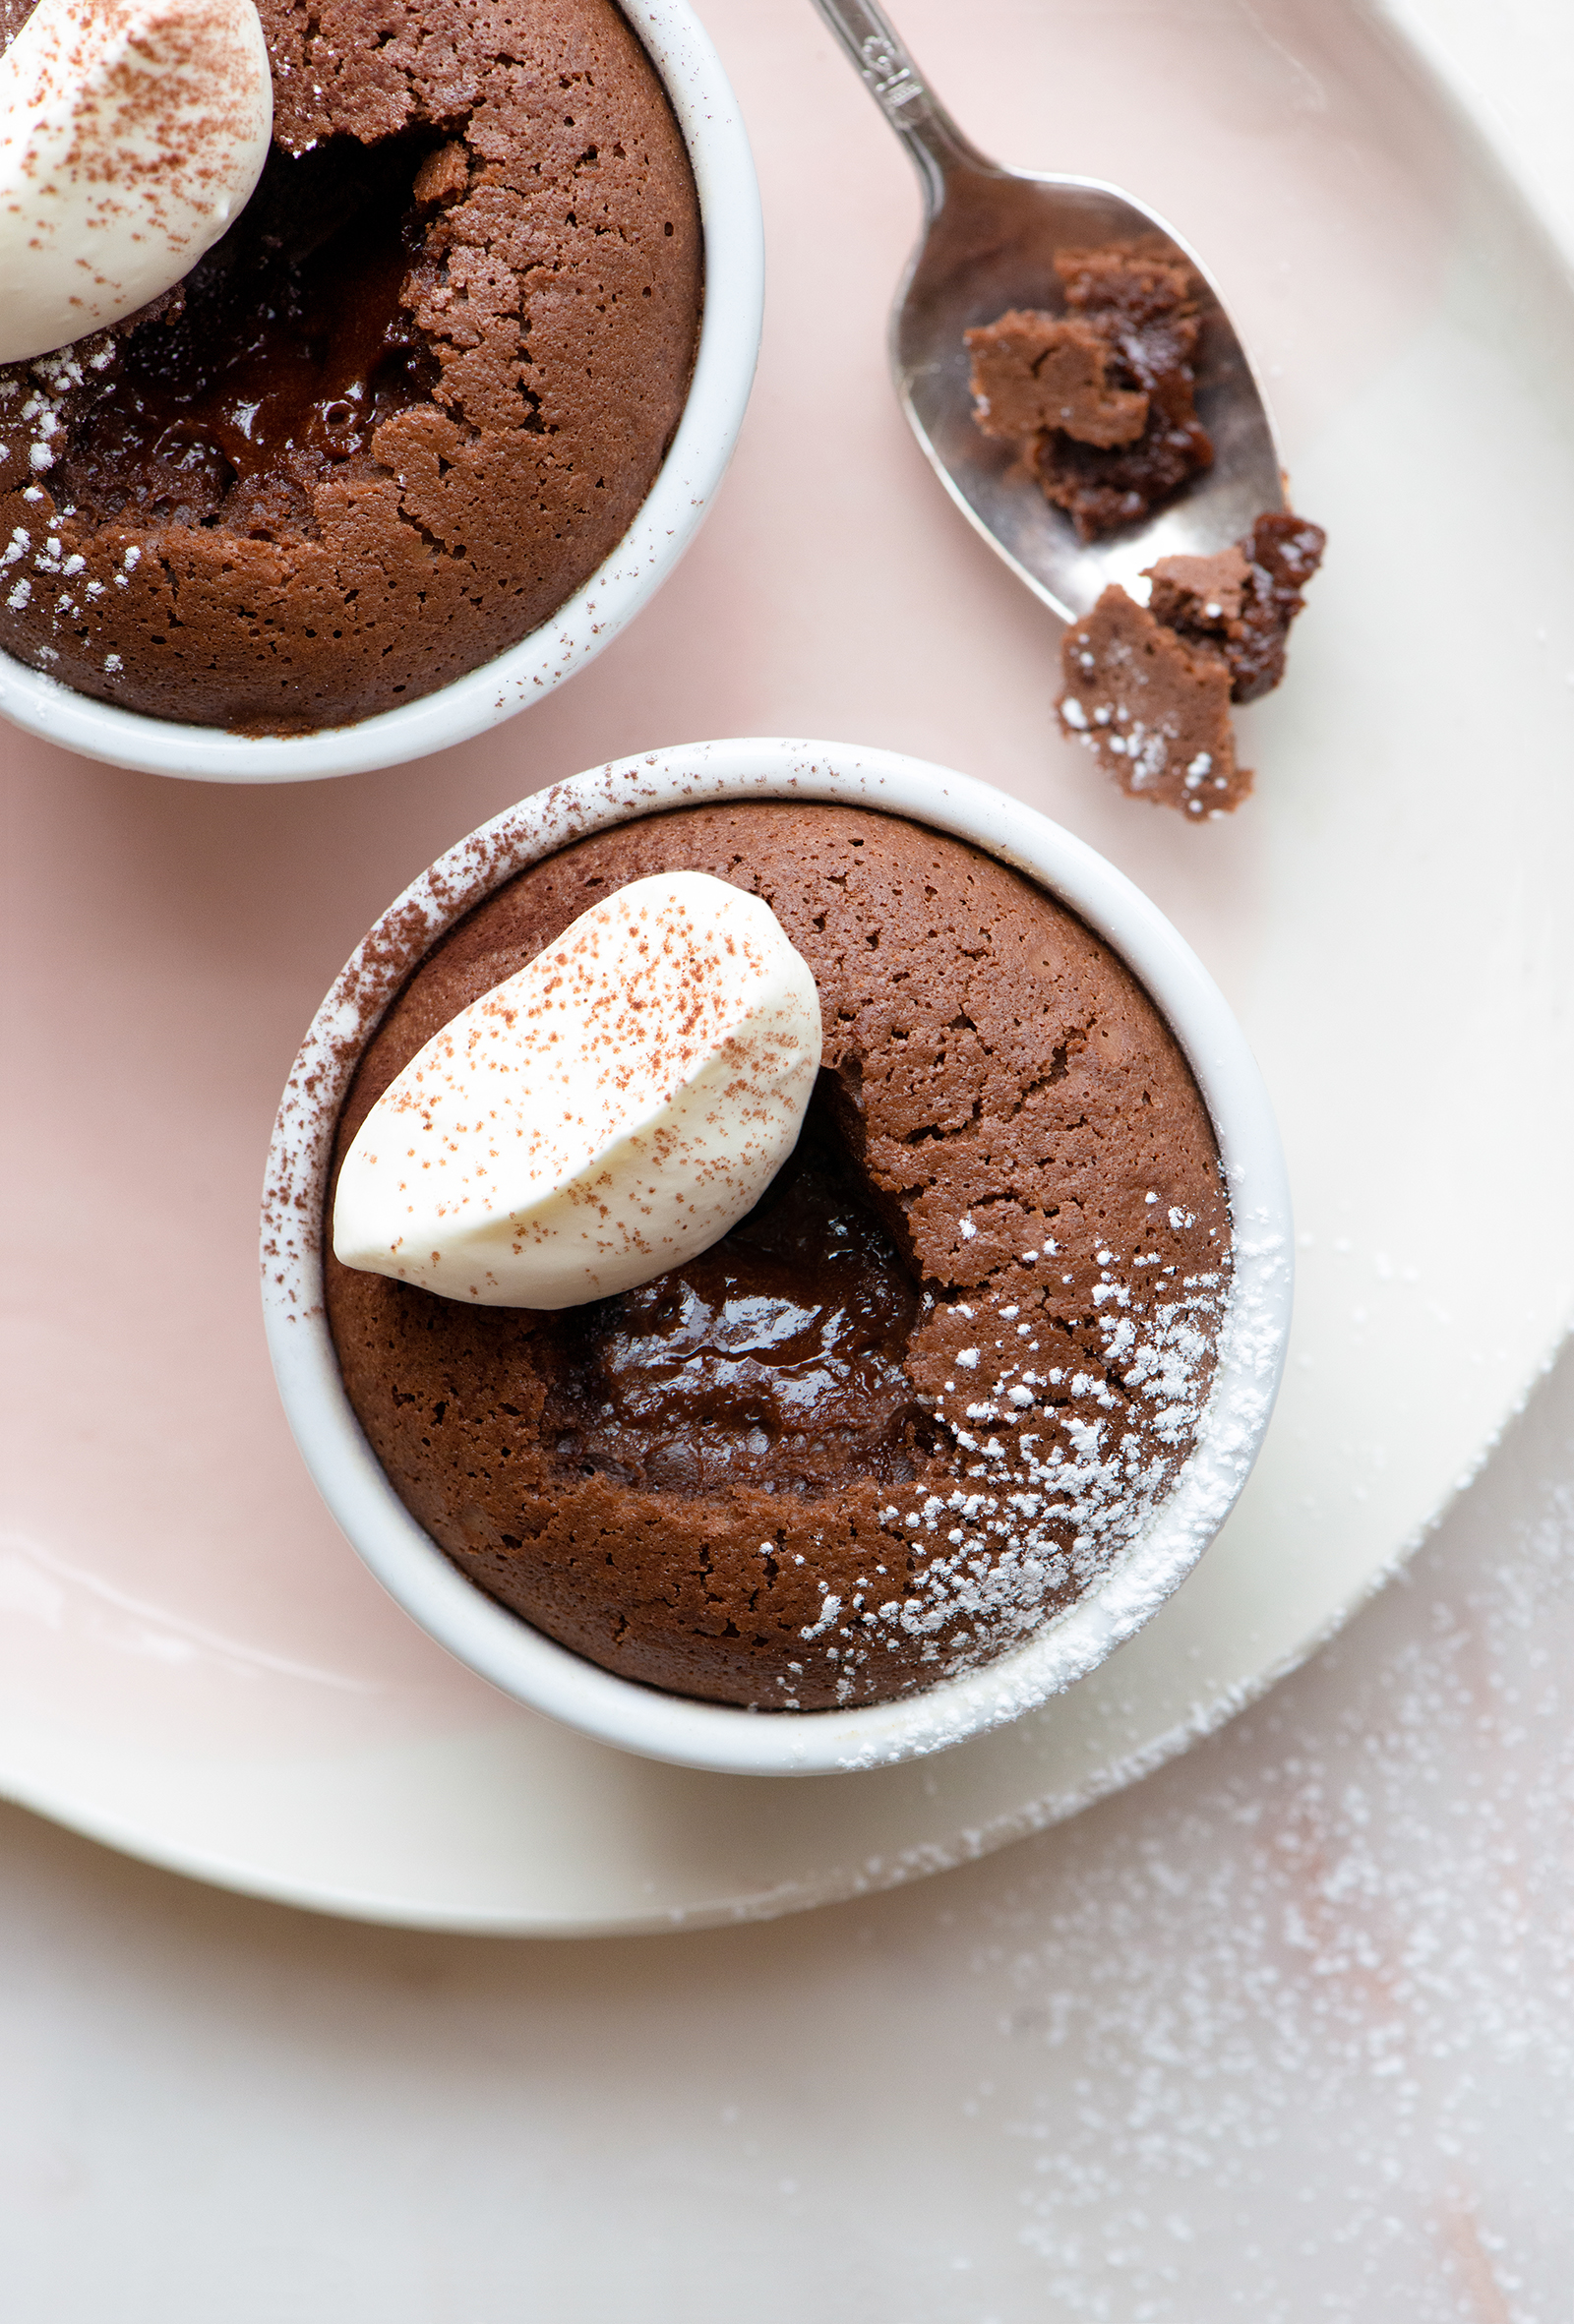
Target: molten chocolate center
774	1359
293	349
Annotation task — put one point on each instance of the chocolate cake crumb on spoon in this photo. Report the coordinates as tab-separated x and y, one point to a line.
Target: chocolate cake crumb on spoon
1081	392
988	247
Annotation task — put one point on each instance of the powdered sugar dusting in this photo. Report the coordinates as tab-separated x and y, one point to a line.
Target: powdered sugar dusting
1288	2033
1283	2033
1136	1526
1062	1473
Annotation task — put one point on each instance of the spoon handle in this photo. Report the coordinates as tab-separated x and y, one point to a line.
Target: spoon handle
938	146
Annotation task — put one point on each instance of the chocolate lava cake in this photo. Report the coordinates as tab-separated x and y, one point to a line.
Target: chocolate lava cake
917	1399
406	406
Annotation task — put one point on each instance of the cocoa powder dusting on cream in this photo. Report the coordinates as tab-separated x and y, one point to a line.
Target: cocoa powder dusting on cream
925	1393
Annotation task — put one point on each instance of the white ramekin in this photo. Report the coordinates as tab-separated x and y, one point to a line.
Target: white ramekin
724	370
521	1661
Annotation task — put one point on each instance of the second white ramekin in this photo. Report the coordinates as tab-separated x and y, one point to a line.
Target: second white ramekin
725	368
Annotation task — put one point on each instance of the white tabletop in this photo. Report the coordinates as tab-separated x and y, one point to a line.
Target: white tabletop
1284	2032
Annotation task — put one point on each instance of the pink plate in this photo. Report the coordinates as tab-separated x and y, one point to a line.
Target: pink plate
195	1665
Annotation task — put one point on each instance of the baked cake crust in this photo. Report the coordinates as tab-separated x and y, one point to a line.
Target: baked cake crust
915	1402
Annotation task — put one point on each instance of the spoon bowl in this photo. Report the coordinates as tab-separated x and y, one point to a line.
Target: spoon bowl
987	244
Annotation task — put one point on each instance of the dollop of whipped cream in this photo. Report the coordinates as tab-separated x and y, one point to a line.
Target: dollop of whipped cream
131	132
603	1115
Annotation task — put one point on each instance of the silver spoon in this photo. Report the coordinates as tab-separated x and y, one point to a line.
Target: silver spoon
989	238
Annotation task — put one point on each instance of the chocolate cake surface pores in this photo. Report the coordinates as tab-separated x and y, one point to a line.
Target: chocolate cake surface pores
922	1394
402	411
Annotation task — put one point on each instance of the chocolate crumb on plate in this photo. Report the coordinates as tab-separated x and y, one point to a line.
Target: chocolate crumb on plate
1243	601
1153	706
1148	688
